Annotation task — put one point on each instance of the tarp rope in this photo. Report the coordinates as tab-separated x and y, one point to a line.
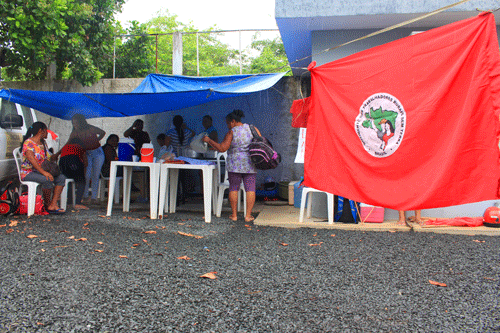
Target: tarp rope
392	27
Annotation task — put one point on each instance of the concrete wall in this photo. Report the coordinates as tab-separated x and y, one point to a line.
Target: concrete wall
318	8
268	110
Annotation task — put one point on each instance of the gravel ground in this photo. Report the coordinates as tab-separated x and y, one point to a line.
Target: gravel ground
72	278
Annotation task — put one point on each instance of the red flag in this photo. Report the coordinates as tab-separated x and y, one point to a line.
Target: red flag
411	124
300	112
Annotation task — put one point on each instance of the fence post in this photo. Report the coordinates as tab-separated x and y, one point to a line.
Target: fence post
241	62
177	53
114	57
197	54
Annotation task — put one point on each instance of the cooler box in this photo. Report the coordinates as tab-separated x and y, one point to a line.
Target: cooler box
371	214
126	149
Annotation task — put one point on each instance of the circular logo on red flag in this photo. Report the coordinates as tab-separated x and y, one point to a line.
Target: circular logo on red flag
381	124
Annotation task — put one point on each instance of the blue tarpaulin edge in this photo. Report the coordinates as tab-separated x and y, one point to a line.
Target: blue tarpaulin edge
156	93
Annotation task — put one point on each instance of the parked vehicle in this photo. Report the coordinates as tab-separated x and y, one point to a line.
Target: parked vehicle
15	119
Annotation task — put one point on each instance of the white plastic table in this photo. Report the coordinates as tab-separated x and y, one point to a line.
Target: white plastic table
127	184
169	177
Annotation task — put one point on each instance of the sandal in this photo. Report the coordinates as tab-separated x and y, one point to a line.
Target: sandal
57	211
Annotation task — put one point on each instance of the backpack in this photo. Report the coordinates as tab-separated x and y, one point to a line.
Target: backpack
262	154
9	199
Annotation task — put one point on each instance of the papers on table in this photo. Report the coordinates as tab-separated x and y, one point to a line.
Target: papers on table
194	161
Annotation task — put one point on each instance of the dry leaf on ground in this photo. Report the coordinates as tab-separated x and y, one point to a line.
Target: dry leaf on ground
98	250
437	283
32	236
81	239
282	243
316	244
184	258
210	275
189	235
123	257
13	223
478	241
150	232
100	243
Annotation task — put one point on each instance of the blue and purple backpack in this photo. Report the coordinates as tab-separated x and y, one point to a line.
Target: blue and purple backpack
262	153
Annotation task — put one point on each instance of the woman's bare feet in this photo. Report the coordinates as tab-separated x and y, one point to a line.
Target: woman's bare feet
233	218
249	218
81	207
401	222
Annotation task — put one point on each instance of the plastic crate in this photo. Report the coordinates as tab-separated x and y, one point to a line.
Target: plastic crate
371	214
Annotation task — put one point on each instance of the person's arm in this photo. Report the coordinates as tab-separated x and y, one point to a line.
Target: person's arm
85	160
191	132
99	132
109	154
55	156
129	131
30	156
214	136
224	145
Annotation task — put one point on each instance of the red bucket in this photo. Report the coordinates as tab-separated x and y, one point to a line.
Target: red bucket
147	153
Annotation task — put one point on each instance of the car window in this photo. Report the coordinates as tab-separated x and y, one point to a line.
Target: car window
7	108
27	115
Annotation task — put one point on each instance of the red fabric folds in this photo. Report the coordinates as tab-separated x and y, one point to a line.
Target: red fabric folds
411	124
457	222
300	112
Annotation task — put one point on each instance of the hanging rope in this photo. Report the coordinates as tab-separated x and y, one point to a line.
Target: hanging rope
378	32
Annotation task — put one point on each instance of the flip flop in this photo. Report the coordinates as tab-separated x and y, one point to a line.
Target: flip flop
57	211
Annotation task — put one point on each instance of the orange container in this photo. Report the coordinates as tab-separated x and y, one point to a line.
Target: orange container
147	153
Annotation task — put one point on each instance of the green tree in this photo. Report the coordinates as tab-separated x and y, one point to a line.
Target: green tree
75	34
134	52
271	58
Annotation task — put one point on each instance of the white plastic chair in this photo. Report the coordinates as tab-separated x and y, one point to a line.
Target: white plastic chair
224	185
32	186
310	190
105	189
64	193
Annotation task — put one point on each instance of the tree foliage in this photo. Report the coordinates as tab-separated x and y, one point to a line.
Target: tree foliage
79	37
134	53
75	34
271	58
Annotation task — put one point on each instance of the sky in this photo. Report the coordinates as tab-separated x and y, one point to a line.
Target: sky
226	14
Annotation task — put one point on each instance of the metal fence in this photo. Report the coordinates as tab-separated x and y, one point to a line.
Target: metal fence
203	53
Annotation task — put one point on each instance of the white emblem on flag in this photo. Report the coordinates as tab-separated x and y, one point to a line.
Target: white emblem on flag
381	124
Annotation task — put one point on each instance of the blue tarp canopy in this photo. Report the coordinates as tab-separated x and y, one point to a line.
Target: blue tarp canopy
156	93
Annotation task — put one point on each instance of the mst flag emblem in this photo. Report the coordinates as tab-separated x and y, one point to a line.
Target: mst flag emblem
380	124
